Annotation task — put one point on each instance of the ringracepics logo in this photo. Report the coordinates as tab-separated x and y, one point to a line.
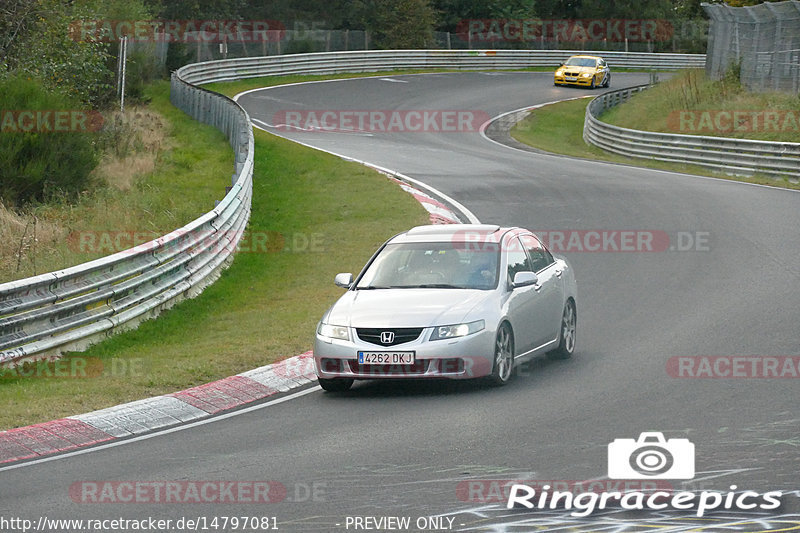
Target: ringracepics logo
650	457
381	120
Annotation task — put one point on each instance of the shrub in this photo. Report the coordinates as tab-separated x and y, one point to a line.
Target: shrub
38	166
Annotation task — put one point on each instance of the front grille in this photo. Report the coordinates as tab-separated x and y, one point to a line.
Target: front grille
418	368
401	335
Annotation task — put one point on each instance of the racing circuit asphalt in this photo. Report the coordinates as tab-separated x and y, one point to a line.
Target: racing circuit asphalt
405	448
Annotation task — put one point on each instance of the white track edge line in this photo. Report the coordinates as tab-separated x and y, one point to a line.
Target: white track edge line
157	433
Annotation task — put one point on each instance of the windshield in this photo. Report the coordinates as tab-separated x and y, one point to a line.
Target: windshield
433	265
580	62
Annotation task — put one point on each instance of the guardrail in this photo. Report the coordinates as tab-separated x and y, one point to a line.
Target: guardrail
45	315
725	154
373	60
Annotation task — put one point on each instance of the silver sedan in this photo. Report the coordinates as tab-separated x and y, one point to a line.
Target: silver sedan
448	301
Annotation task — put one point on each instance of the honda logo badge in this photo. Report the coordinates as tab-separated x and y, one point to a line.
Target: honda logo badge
387	337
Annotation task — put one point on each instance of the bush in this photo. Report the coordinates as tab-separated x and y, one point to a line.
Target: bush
36	165
178	55
142	68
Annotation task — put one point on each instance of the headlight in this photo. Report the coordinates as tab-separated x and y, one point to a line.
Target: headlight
457	330
559	73
334	332
587	74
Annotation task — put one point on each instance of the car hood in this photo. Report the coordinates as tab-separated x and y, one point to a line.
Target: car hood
405	308
579	69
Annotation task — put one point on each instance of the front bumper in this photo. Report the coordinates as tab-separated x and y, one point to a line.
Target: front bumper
465	357
582	82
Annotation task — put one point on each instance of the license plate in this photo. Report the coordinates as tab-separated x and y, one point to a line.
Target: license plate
386	358
570	78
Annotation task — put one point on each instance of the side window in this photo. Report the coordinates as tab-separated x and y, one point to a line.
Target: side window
540	257
517	259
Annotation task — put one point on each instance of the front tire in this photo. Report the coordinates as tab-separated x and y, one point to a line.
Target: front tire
592	86
336	384
607	82
566	343
503	356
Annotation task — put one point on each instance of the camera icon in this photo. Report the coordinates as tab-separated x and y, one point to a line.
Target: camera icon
651	457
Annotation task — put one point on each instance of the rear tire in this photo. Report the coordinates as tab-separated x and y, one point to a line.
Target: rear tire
503	362
336	384
566	334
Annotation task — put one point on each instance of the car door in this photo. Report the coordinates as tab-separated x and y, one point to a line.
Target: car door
549	293
521	305
602	70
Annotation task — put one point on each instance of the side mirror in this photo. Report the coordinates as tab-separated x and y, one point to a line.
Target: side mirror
343	280
523	279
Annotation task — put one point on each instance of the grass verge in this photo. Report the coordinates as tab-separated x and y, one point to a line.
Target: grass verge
326	216
691	104
558	128
190	170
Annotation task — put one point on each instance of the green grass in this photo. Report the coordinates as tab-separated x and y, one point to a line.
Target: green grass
659	109
191	171
558	128
331	215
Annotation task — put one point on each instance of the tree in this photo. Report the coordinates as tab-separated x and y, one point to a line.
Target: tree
198	9
398	24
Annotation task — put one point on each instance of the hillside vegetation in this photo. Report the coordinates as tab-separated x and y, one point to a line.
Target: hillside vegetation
692	104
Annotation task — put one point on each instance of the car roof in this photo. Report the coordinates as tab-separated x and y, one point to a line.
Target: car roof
453	232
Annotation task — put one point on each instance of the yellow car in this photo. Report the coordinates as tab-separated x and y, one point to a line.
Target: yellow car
584	71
